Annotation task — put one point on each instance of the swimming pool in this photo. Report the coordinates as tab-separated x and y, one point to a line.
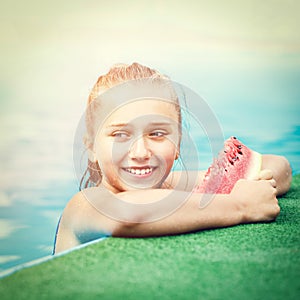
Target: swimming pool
38	175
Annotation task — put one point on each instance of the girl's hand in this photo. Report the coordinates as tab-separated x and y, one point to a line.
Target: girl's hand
256	199
265	174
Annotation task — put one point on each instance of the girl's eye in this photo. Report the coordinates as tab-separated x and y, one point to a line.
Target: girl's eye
157	134
120	135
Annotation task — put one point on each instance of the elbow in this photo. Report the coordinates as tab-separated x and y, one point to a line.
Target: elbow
131	217
286	176
128	225
124	229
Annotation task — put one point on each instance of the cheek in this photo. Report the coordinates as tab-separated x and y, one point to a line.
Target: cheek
111	152
103	151
165	151
119	152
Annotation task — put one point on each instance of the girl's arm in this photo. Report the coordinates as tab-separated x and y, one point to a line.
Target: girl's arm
83	220
249	201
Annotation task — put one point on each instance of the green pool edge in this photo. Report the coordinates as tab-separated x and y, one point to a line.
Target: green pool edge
252	261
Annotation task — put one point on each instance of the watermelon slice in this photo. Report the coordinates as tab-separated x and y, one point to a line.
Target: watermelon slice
234	162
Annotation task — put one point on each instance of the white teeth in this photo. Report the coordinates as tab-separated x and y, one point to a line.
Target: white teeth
139	171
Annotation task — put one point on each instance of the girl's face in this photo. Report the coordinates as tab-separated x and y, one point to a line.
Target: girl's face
137	144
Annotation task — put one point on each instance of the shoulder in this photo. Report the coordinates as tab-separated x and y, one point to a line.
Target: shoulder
79	200
65	235
73	210
83	203
87	211
82	220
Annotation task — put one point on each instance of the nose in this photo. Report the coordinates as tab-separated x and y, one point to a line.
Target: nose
139	149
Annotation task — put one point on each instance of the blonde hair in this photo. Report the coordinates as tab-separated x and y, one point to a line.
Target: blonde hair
117	74
120	73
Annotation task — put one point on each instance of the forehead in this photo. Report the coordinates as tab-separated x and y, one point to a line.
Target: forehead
133	99
126	92
143	111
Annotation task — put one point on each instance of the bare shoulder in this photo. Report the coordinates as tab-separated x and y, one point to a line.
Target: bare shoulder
66	237
83	206
82	219
72	208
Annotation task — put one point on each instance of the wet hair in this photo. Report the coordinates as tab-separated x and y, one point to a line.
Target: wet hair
118	74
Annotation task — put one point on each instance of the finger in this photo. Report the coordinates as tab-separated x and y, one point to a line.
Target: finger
273	183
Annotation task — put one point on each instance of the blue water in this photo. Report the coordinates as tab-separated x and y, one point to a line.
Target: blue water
38	176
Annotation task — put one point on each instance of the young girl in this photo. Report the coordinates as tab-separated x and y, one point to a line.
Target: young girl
134	131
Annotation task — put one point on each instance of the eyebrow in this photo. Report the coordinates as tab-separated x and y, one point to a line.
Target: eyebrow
150	124
118	125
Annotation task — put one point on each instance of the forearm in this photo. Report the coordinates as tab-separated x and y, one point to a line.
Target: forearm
221	211
156	212
281	170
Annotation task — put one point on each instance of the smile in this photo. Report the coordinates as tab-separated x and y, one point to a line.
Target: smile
139	171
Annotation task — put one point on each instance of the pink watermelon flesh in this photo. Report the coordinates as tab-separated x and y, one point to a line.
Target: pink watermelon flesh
235	162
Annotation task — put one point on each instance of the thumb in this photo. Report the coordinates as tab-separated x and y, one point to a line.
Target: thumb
265	174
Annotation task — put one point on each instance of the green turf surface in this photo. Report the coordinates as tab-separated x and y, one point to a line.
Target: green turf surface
254	261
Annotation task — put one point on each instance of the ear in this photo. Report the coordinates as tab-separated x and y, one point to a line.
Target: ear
177	151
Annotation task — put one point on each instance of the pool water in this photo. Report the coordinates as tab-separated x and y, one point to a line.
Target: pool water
37	169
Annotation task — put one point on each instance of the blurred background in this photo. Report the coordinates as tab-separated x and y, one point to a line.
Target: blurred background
242	57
